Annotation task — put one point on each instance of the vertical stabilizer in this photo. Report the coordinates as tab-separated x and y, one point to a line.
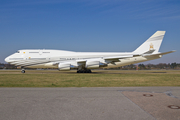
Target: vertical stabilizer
152	44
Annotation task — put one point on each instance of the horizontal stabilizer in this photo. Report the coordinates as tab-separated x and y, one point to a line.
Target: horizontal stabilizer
149	52
164	53
167	52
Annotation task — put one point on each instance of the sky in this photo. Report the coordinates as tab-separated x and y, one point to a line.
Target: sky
89	25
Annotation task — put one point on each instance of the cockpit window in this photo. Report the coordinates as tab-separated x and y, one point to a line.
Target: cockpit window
17	52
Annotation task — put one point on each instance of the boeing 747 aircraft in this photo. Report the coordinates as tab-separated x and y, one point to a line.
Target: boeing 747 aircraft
83	62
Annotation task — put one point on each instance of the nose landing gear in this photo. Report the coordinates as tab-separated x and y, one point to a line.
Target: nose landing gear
23	71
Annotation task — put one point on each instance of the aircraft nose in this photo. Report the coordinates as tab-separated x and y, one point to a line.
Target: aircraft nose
6	59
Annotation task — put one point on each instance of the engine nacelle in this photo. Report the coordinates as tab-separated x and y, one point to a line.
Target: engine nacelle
92	64
64	66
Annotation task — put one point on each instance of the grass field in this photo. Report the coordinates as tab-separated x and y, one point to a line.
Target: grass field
99	78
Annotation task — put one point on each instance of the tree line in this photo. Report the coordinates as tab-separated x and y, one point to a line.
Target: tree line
166	66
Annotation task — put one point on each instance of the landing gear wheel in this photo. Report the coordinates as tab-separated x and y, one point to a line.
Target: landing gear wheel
84	71
23	71
88	71
79	71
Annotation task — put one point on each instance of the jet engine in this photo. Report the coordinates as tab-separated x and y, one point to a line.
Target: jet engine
64	66
94	64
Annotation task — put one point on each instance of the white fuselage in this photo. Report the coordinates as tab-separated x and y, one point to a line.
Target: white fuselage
49	58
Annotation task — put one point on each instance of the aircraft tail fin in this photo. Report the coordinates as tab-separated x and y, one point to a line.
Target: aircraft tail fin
151	44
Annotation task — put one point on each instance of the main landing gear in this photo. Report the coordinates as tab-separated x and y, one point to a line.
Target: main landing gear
84	71
23	71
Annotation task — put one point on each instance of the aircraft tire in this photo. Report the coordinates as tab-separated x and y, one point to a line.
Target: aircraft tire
79	71
88	71
23	71
84	71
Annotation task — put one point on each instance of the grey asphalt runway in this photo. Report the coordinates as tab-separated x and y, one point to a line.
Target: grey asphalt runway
119	103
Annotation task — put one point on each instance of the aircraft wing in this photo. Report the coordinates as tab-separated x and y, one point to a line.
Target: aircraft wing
81	61
112	58
107	59
116	58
